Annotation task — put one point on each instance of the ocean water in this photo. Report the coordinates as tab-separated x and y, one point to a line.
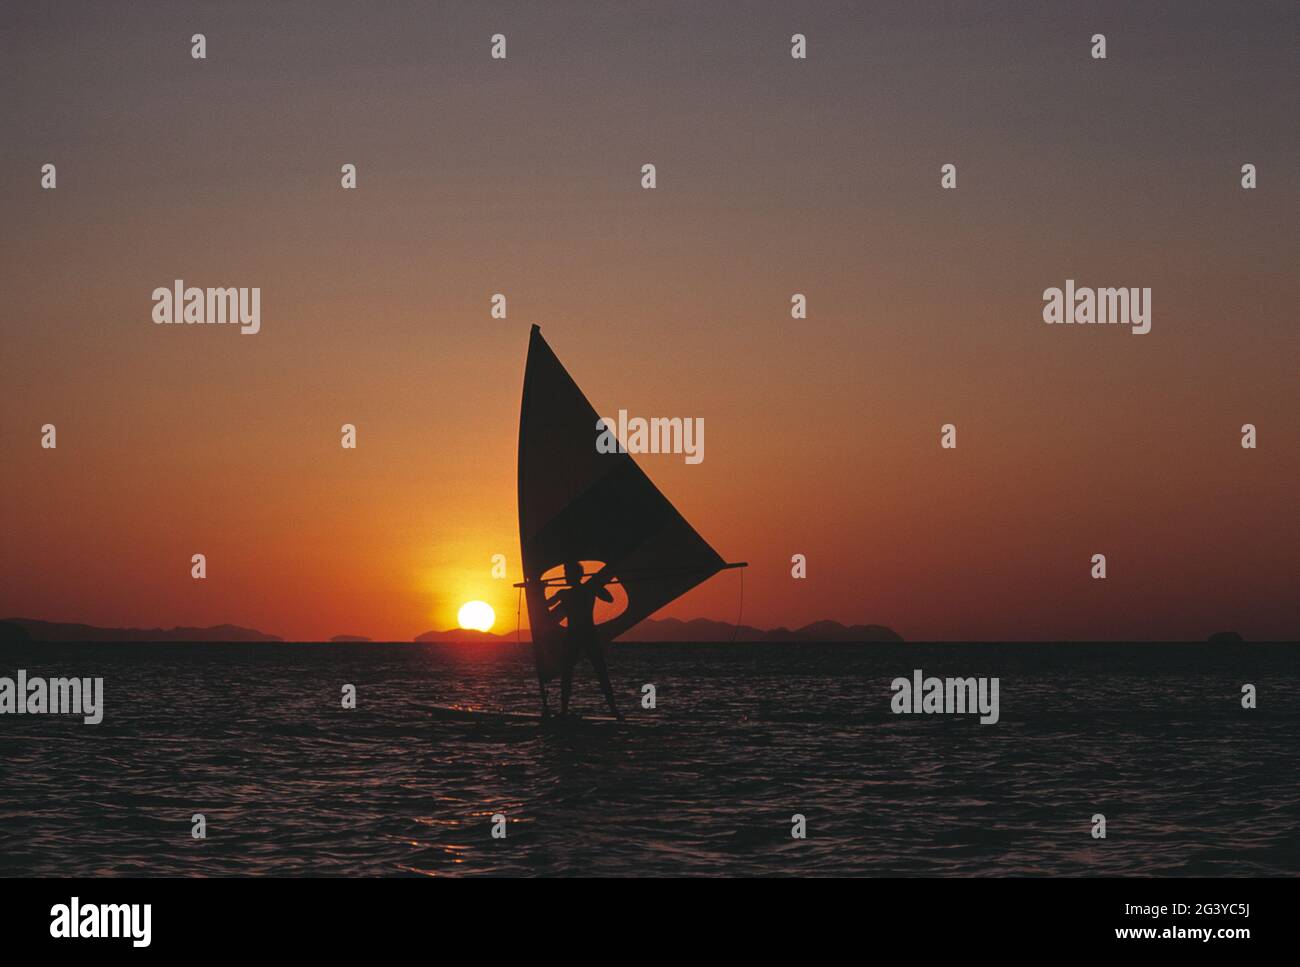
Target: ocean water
744	736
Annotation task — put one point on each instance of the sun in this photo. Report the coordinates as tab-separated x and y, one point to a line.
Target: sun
476	616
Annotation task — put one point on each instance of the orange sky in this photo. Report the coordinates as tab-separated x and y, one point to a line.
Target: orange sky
775	177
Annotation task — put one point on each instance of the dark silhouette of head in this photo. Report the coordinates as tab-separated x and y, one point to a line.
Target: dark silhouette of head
573	572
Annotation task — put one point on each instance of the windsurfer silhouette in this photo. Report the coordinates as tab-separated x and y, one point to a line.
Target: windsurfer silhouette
576	601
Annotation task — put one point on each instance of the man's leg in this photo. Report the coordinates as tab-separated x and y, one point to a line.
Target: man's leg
597	654
566	685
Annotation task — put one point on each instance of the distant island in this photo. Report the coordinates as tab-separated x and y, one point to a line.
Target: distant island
666	630
28	629
704	630
18	630
464	635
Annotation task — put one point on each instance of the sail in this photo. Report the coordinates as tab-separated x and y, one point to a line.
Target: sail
576	504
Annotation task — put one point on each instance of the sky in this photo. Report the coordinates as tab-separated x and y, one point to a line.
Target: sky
775	176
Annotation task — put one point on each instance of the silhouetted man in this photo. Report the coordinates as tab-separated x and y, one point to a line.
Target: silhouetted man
576	601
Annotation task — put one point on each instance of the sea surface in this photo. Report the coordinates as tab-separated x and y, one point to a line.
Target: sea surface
744	736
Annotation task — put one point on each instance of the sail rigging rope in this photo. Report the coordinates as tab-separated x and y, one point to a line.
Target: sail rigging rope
740	610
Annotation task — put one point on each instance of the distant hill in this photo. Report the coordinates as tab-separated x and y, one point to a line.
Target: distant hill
1226	638
52	631
705	630
464	635
13	630
11	633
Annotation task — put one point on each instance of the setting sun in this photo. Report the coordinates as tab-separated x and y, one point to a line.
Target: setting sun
476	616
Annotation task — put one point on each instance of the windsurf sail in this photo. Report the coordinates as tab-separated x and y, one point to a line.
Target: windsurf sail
576	504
